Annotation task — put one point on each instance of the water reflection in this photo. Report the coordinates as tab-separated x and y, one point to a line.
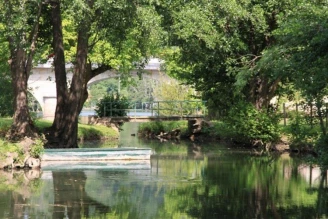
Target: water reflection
177	184
70	197
16	189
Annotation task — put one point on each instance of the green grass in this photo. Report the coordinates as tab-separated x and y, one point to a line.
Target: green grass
163	126
42	124
7	147
97	132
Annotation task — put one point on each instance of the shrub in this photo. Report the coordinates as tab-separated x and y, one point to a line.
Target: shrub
37	148
112	105
302	134
250	125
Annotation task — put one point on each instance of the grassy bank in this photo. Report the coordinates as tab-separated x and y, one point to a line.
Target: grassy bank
163	126
85	132
298	138
215	131
17	153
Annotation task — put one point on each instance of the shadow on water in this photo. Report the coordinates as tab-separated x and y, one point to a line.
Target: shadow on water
182	180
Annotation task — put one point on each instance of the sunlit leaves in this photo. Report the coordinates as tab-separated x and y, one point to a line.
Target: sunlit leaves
192	21
219	44
70	39
103	53
19	17
172	90
305	36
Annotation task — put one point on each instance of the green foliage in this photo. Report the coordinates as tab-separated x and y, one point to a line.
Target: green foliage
249	124
35	151
219	129
218	44
6	96
302	41
6	92
5	124
10	147
134	89
112	105
302	132
7	147
177	98
37	148
124	34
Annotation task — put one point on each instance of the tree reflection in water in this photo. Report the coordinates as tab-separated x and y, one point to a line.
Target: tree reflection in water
16	188
322	201
249	187
70	198
229	185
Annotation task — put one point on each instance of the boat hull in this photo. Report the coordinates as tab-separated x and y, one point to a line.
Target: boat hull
98	154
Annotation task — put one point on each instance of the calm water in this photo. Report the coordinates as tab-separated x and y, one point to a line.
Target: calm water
182	180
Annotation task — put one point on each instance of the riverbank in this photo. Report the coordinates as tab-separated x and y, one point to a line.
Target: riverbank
26	153
85	132
216	131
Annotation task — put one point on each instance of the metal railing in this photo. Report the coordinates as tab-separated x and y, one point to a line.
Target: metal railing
157	108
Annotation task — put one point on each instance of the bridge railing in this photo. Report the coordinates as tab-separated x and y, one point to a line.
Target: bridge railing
157	108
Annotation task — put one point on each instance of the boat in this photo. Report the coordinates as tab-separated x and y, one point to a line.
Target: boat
96	154
96	158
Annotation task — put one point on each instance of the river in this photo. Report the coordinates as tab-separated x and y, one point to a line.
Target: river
182	180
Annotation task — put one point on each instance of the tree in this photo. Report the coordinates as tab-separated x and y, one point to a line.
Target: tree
21	23
112	35
303	44
178	99
218	44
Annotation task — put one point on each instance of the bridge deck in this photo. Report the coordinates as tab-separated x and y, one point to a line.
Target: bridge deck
91	119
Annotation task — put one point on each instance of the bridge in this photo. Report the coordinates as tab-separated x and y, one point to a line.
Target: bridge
122	119
149	111
42	84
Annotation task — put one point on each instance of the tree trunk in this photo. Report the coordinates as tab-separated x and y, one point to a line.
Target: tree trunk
72	194
21	66
22	123
63	133
262	91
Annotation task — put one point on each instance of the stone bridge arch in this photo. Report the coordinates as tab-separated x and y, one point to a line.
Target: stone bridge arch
42	84
152	70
